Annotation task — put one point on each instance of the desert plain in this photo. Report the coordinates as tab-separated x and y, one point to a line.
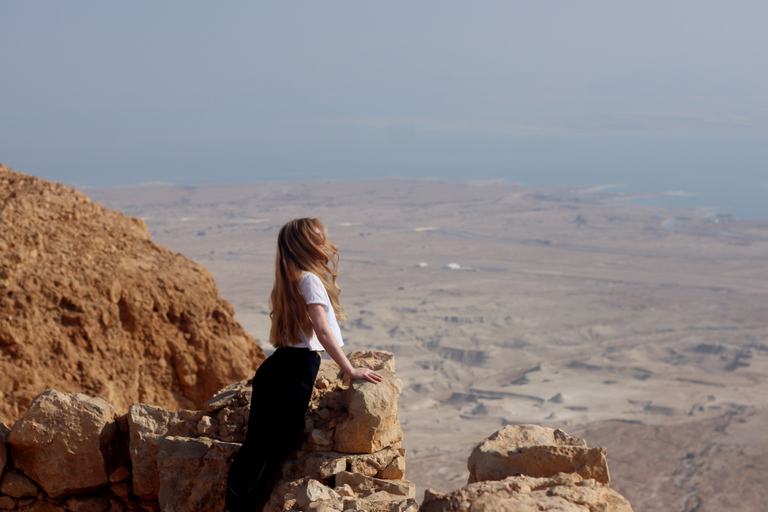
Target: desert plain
641	329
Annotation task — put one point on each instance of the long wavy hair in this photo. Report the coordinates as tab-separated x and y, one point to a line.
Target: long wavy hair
302	246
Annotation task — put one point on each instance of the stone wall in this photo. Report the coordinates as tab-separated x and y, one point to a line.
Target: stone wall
74	452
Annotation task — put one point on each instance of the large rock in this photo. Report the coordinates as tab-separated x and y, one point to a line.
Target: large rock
147	427
179	461
193	473
65	442
561	493
535	451
357	416
91	304
372	423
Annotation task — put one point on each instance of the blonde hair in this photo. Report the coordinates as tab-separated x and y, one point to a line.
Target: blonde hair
302	246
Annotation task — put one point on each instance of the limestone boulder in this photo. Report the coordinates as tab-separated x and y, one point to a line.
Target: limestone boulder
65	442
537	452
372	423
565	492
147	427
193	473
210	483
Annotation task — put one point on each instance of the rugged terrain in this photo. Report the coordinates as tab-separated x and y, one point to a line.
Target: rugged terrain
89	303
640	329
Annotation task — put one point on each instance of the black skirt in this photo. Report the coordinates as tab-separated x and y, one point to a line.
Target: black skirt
282	388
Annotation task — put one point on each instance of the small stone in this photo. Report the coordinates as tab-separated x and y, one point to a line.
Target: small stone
321	437
7	503
87	504
344	490
207	426
395	470
150	506
313	491
119	474
121	489
364	467
220	401
116	505
333	468
18	486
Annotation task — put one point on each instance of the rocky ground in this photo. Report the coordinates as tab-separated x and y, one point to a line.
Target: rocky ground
640	329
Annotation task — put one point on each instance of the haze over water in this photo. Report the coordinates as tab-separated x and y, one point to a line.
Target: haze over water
656	97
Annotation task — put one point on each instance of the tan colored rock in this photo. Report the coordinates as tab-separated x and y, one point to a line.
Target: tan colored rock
148	425
7	503
365	485
179	460
561	493
209	487
395	470
372	423
65	442
91	304
375	360
192	473
313	491
323	465
535	451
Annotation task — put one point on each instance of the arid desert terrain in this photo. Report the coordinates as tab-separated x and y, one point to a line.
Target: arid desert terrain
641	329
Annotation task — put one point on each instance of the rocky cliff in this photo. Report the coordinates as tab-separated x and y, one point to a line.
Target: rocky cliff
89	303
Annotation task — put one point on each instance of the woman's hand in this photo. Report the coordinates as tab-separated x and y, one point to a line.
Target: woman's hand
328	341
367	374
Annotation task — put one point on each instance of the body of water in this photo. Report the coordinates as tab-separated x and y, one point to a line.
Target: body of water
724	173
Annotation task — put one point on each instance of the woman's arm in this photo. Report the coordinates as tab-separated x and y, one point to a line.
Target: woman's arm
328	341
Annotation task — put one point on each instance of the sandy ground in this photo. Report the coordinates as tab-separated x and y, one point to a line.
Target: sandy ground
641	329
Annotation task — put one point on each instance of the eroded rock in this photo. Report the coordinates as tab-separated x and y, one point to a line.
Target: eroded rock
535	451
561	493
61	432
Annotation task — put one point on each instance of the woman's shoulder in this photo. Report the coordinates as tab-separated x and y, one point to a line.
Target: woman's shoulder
310	280
309	276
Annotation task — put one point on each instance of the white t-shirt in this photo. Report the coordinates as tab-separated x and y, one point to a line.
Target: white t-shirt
314	292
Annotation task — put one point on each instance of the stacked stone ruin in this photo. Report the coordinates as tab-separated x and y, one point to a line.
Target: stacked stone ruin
74	452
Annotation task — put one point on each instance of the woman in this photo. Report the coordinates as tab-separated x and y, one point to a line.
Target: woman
305	314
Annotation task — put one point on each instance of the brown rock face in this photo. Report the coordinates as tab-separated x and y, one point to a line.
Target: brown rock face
88	303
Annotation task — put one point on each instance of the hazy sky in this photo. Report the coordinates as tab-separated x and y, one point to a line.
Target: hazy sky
105	93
